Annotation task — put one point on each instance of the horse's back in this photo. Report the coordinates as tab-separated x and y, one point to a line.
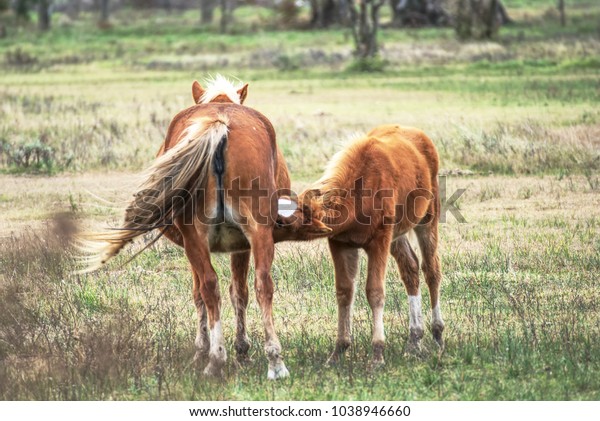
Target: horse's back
251	138
401	141
414	161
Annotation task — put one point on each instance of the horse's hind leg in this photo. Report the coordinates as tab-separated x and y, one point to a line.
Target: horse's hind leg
345	260
202	341
197	251
263	251
428	241
408	264
238	291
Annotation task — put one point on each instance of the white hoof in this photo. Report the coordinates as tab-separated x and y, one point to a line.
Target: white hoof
278	372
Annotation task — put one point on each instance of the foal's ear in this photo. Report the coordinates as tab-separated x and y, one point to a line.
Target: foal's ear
311	194
242	93
197	92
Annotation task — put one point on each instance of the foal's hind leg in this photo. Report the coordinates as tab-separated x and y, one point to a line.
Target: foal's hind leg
238	291
263	251
345	260
428	240
202	341
409	270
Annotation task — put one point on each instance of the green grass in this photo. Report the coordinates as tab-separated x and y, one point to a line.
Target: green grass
522	320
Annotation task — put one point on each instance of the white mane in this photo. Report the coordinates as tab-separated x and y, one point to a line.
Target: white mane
220	85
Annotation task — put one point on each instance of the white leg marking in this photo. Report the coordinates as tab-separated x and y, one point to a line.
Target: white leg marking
277	371
436	315
217	348
378	334
277	368
415	320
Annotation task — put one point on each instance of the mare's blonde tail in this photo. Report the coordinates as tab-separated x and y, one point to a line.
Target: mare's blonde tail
181	170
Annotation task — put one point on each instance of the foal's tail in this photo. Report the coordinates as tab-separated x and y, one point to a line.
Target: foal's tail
170	184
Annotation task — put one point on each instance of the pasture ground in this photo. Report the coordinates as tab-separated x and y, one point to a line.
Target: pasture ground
517	125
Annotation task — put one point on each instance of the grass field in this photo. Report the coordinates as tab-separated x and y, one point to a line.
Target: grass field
516	122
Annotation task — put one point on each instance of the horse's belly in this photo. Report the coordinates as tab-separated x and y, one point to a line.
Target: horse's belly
354	238
225	238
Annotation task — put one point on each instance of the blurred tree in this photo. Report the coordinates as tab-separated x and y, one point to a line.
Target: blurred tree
3	7
43	7
104	21
73	8
479	19
419	12
227	7
287	11
21	8
561	10
324	13
207	10
364	15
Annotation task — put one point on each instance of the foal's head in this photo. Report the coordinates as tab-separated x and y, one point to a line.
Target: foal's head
219	89
302	220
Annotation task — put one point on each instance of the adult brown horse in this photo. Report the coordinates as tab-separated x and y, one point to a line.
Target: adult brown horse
214	188
373	193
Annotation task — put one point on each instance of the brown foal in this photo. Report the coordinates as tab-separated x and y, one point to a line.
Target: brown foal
373	193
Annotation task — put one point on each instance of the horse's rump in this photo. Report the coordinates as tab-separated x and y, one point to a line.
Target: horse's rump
255	173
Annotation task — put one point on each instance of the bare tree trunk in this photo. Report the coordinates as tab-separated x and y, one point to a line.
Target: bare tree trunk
104	12
44	15
21	10
325	13
207	9
503	15
419	13
365	23
224	15
490	18
561	9
479	18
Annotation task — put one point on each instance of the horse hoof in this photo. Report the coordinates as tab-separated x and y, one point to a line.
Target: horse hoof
414	349
376	364
333	360
213	370
200	356
278	372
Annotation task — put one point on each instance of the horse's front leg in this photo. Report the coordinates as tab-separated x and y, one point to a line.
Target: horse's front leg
377	253
238	291
345	261
263	251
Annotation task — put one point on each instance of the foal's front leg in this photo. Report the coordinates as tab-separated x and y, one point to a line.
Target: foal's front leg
377	253
345	261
